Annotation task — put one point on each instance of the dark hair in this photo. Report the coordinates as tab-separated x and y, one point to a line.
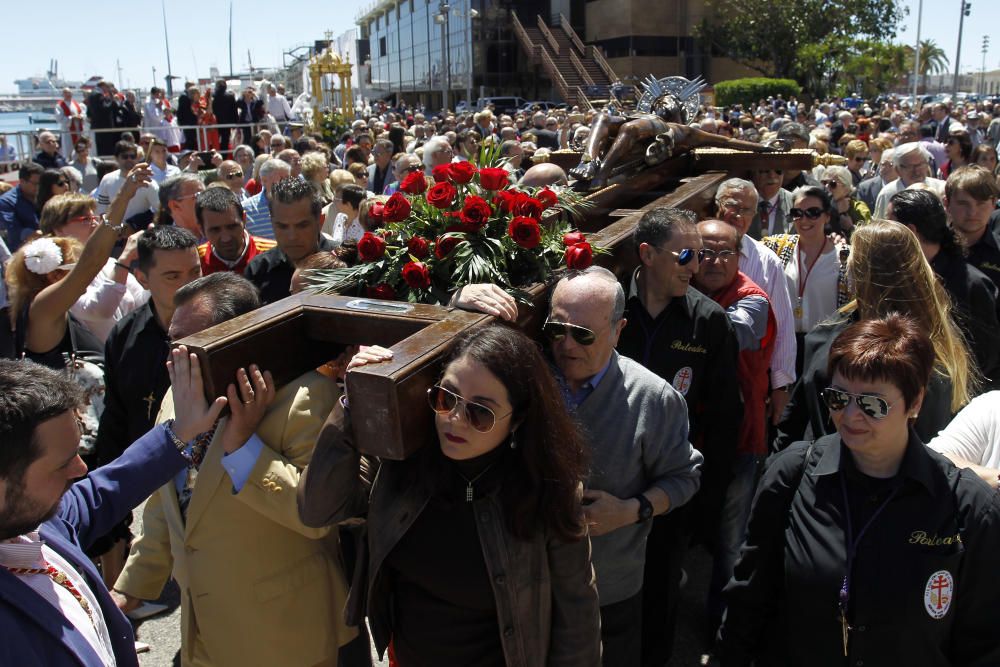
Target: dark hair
793	130
926	213
105	167
290	190
125	147
161	237
355	154
29	169
219	200
396	136
29	395
540	476
964	143
170	190
352	194
981	150
231	295
303	144
657	226
892	349
975	181
49	178
927	131
820	193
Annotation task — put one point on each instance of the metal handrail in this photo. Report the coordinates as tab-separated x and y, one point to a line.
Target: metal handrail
568	29
578	66
555	74
598	57
522	34
549	37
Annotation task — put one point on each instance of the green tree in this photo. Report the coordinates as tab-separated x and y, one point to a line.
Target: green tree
770	37
933	60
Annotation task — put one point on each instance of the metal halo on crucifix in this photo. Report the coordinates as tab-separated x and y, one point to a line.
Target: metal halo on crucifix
683	91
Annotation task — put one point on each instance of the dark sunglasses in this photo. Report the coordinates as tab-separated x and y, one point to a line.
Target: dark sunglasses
558	330
873	406
813	212
128	156
444	402
235	174
412	168
831	183
685	256
62	184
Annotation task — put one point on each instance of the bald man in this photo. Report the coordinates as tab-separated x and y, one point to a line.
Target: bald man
231	175
542	174
48	151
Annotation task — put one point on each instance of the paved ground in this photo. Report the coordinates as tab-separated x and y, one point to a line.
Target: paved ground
163	632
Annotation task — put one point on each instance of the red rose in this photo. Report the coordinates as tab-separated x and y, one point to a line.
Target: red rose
397	208
441	173
504	200
462	172
376	214
547	197
370	247
476	212
416	275
579	256
525	231
493	178
381	291
445	244
572	238
441	195
418	247
414	184
527	206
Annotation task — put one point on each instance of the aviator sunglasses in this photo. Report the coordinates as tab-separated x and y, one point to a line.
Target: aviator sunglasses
685	256
813	212
444	402
873	406
558	330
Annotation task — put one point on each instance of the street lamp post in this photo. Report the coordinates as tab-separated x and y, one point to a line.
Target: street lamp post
442	18
982	75
966	7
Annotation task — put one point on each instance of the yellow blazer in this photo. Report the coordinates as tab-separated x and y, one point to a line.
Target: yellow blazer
258	587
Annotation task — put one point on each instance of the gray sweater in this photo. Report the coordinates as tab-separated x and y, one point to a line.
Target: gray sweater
637	427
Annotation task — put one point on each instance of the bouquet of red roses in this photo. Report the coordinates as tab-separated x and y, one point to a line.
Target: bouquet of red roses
470	226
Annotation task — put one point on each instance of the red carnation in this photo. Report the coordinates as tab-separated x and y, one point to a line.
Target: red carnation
441	195
476	213
441	173
462	172
547	197
416	275
397	208
527	206
493	178
445	244
376	214
579	256
525	231
572	238
418	247
370	247
381	291
415	183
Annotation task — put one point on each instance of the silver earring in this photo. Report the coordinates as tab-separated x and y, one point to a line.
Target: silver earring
513	439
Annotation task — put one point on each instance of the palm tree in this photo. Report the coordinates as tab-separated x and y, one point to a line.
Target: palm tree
933	60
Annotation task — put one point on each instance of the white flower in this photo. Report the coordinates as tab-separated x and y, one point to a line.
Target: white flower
42	256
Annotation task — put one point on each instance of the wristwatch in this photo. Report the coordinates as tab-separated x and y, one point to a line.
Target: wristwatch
645	508
118	229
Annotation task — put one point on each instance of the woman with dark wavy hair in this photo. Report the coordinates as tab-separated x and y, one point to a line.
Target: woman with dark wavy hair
478	552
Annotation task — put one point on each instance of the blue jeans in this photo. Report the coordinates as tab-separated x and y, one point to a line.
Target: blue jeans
732	530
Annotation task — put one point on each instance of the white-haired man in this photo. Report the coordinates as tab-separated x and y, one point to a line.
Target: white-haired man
912	162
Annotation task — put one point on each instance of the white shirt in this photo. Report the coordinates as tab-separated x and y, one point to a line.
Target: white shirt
160	175
106	301
147	198
28	551
974	433
763	267
819	296
278	107
886	193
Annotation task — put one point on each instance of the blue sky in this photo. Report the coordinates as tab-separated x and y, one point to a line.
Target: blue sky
88	39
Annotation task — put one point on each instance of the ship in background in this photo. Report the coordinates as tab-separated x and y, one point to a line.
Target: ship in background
41	93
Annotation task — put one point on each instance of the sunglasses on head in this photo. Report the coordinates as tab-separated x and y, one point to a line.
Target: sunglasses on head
875	407
685	256
444	402
558	330
813	212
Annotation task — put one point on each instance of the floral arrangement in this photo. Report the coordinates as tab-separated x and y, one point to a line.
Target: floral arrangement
468	225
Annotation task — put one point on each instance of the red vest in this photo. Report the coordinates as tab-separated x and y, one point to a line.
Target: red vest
210	263
75	124
752	369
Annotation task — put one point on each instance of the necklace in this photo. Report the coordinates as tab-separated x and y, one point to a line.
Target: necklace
59	578
803	279
469	482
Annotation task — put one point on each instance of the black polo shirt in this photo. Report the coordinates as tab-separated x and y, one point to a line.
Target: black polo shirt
272	271
985	253
135	377
923	586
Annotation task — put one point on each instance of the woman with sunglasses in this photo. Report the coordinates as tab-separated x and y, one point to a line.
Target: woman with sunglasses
890	274
814	266
866	547
850	211
51	183
959	151
478	553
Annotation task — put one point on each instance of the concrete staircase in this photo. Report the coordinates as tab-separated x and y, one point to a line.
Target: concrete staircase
579	72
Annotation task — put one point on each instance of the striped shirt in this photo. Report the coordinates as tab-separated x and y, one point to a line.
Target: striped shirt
764	268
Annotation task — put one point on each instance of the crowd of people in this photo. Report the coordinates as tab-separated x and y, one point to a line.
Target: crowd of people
842	321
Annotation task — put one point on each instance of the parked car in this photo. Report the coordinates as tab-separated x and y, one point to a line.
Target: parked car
540	105
463	106
508	105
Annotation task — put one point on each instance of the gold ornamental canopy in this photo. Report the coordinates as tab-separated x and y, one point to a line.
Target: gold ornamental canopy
330	62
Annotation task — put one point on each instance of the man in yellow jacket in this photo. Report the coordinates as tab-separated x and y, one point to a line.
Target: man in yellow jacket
257	586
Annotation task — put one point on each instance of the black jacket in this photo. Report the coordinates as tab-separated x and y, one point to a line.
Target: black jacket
806	416
272	271
224	108
185	114
985	253
938	533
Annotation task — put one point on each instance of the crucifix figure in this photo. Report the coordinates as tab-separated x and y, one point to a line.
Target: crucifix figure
150	401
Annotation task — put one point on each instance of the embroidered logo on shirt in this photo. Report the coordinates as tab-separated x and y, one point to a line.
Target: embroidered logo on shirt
682	380
687	347
939	593
923	539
